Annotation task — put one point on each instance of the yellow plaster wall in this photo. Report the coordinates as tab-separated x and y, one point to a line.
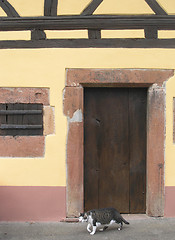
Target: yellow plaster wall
28	7
170	146
46	68
107	6
168	5
36	7
2	13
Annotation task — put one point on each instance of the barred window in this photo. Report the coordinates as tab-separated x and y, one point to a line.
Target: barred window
21	119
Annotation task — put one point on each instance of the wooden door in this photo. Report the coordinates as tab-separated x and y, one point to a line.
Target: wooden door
115	148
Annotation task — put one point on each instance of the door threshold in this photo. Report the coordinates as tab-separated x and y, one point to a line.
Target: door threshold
125	215
135	216
70	220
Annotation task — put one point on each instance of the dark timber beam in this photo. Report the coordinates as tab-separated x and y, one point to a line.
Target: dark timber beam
50	7
94	34
90	9
90	43
155	6
8	9
151	33
94	22
38	35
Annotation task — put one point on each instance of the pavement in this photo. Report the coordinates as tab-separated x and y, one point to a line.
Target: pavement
140	228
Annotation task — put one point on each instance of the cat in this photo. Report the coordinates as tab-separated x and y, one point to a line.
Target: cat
101	218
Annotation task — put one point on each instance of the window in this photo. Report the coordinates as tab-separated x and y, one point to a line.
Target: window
21	119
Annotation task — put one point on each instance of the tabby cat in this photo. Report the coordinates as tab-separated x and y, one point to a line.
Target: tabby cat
101	218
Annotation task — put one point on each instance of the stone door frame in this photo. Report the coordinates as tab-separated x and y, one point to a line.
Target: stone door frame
155	81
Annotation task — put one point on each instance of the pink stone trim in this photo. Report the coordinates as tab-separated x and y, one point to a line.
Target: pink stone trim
22	146
32	203
48	120
169	201
77	77
24	95
154	80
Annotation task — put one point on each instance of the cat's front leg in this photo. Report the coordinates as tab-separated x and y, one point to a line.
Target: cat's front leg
88	227
120	227
93	230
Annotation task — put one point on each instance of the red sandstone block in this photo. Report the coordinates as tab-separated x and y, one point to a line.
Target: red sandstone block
22	146
24	95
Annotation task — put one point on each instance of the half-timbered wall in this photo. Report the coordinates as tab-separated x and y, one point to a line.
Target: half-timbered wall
35	186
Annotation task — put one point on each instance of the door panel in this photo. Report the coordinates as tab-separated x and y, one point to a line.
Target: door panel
108	172
137	139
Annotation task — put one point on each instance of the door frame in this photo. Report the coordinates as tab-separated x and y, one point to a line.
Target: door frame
155	81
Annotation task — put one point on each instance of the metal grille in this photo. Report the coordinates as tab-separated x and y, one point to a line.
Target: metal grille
21	119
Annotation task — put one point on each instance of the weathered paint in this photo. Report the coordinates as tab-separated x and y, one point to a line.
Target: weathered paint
77	116
49	120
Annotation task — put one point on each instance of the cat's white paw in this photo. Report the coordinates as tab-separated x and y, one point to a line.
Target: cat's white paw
88	227
101	230
93	230
119	229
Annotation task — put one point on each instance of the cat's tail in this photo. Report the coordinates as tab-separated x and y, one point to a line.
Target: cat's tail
124	220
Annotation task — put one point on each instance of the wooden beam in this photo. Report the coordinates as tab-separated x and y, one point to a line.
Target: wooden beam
15	126
90	43
8	9
155	6
151	33
50	7
23	112
94	22
38	35
94	34
90	9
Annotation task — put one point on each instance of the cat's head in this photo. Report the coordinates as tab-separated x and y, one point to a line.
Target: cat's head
82	217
